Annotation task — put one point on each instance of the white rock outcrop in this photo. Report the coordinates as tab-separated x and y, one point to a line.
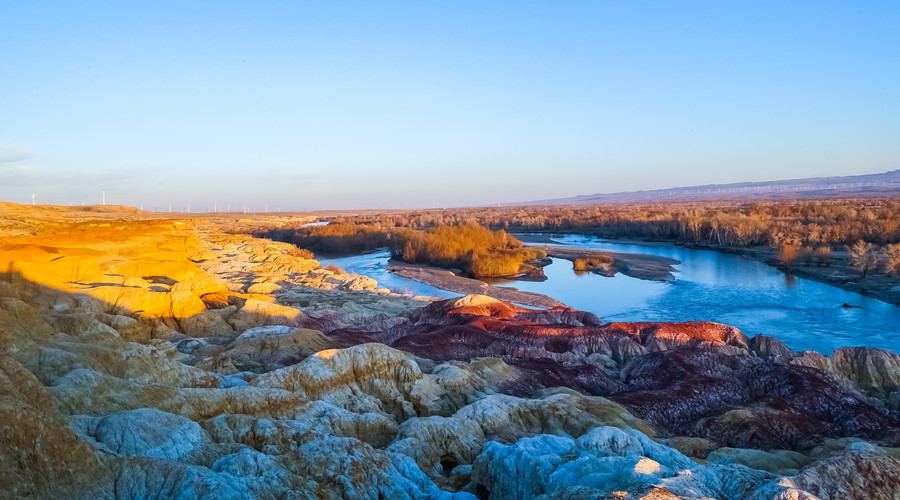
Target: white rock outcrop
145	432
605	461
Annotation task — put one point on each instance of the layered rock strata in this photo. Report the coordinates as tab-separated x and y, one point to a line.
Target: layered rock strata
158	360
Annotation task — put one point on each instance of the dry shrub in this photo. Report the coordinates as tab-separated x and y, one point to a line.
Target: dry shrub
788	254
334	239
862	257
823	256
891	255
335	269
470	247
301	253
593	262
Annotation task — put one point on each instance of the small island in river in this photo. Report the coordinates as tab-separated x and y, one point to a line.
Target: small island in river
645	267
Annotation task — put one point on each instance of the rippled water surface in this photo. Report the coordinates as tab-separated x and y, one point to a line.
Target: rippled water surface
710	286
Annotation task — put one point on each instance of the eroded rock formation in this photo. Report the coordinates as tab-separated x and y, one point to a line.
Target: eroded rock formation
215	365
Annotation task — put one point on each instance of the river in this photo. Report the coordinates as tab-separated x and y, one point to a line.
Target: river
710	286
375	266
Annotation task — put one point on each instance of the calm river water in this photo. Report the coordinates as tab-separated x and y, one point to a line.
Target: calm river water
710	286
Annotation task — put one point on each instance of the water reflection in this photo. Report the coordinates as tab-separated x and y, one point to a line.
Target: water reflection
730	289
710	286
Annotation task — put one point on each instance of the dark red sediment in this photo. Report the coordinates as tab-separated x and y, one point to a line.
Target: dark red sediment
699	378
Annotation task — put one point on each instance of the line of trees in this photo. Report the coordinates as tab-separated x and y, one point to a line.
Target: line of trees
807	232
812	223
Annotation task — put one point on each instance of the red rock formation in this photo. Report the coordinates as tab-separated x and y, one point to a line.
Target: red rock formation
697	378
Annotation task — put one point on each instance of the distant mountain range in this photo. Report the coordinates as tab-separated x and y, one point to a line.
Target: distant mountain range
884	184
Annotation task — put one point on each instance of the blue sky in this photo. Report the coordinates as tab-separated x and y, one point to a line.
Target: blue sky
421	104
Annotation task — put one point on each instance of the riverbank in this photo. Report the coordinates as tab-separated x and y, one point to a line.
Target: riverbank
838	273
446	280
644	267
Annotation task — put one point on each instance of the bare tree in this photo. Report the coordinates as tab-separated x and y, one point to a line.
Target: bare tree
862	257
891	255
823	255
788	253
693	222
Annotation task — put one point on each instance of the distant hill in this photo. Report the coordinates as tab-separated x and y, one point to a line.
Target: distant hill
884	184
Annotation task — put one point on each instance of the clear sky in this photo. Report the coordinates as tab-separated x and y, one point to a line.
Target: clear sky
306	105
